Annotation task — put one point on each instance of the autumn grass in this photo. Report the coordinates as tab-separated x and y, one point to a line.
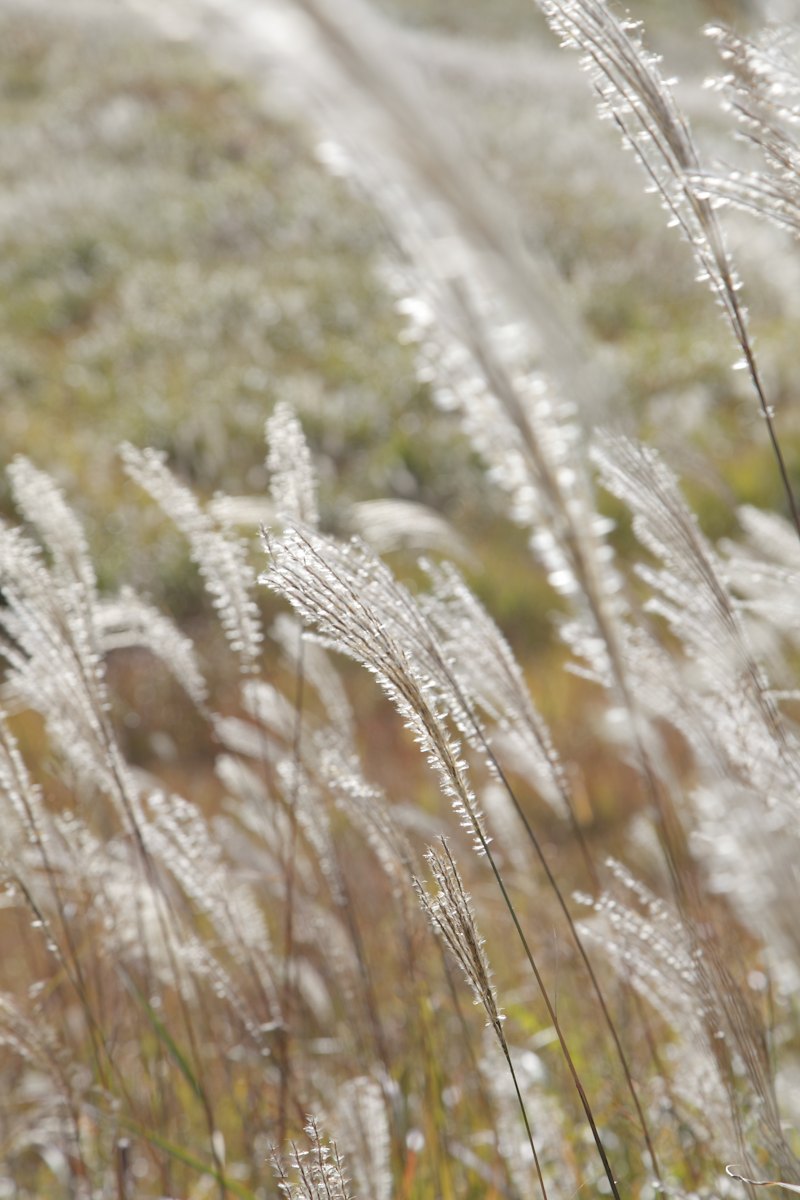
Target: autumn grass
219	852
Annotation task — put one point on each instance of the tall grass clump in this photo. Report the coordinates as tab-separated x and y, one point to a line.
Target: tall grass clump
256	988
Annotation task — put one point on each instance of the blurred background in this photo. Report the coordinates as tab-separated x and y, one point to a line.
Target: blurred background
175	259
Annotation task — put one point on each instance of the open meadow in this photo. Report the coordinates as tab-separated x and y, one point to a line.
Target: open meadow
399	610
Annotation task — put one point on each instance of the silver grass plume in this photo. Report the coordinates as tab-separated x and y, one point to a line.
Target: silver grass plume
51	645
719	697
28	1035
689	590
33	867
220	557
452	919
302	795
490	680
357	607
761	87
450	914
270	709
291	473
130	622
490	676
128	907
244	739
751	852
682	968
124	622
634	94
648	945
131	928
42	504
316	1173
764	572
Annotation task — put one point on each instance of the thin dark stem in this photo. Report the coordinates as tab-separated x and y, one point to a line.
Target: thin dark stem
581	948
554	885
523	1110
766	412
551	1011
475	1071
284	1041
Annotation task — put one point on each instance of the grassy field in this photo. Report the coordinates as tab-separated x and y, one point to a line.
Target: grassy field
209	926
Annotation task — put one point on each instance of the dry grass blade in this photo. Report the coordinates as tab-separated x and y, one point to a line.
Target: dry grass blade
451	916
